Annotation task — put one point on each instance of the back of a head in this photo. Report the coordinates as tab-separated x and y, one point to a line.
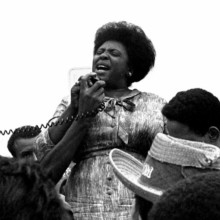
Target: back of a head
27	193
22	132
196	198
196	108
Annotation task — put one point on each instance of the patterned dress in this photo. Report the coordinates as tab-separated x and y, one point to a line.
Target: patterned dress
129	123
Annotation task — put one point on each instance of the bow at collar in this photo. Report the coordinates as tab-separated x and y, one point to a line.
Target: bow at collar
126	104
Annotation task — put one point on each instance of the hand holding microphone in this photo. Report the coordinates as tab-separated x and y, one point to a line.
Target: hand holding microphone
90	92
92	80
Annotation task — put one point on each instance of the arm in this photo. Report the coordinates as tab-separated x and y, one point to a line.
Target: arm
43	141
56	133
58	159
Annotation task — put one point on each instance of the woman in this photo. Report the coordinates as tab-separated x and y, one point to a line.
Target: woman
122	55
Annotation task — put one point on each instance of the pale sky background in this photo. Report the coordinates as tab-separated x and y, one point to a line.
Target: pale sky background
41	40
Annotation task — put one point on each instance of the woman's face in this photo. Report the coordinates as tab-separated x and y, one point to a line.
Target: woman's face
110	62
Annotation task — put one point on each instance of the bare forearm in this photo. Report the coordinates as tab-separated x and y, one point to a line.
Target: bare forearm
56	133
57	161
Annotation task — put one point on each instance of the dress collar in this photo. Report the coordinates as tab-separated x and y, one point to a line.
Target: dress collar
132	93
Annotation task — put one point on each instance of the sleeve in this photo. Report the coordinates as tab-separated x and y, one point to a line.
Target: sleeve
62	107
43	141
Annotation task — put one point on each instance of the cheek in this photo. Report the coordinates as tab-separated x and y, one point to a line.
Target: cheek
123	67
120	69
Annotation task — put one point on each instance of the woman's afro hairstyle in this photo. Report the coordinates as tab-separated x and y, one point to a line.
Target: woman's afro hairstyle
196	108
139	47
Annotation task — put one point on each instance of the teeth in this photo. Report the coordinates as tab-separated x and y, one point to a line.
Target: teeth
102	67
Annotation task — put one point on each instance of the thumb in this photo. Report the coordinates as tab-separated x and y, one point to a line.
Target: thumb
85	82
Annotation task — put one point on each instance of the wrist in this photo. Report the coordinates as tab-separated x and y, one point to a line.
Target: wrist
90	113
72	109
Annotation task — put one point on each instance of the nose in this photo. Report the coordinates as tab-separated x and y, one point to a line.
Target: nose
103	56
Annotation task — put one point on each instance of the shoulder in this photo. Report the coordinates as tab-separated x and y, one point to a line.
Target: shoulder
65	100
62	106
151	97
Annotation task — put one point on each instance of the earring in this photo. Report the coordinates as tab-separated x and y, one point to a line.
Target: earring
130	74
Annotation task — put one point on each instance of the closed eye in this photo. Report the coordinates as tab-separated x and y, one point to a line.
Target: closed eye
115	53
99	51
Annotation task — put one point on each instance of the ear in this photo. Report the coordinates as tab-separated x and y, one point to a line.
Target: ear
213	133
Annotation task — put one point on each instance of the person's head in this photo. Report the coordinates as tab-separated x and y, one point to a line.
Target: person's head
196	198
27	192
123	54
21	143
194	115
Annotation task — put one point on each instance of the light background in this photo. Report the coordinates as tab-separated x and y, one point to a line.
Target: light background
40	41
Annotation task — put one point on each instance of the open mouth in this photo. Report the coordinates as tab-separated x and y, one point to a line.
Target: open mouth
102	67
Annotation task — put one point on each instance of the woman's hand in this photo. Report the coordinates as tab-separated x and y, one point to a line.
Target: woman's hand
90	95
75	90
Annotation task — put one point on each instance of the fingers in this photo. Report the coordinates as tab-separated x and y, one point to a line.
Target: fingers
88	80
85	81
89	103
91	93
100	93
99	84
75	88
90	97
84	78
85	85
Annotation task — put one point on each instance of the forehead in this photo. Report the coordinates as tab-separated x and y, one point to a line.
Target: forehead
23	144
111	44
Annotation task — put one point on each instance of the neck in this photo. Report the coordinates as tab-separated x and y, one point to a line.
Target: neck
117	93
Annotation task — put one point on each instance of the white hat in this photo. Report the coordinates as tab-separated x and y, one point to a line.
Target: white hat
130	172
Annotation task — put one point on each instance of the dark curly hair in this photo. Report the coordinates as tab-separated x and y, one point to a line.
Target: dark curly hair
196	108
141	52
27	192
22	132
195	198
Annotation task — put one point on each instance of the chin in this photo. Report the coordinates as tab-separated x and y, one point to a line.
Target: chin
101	77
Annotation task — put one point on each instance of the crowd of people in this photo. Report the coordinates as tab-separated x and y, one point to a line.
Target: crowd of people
115	152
